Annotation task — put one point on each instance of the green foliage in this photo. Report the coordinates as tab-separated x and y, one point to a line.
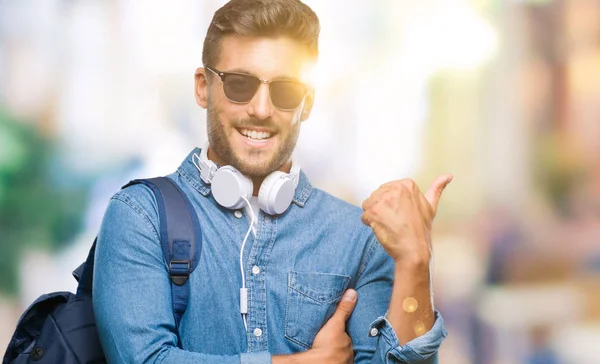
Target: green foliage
35	207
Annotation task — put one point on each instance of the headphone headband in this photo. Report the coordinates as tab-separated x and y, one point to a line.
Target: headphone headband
208	168
295	173
230	188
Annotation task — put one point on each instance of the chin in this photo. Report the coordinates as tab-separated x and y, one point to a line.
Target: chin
256	168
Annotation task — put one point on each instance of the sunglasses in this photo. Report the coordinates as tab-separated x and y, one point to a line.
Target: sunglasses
240	88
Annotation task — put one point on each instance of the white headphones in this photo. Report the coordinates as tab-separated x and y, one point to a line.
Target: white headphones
230	187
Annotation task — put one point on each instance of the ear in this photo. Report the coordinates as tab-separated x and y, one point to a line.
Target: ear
201	87
308	104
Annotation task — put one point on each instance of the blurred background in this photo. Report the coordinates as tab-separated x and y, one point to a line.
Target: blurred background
505	94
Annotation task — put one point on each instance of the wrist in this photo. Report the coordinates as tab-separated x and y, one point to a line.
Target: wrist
417	261
413	269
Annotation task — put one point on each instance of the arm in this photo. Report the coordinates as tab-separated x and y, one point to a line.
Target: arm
374	338
401	218
132	293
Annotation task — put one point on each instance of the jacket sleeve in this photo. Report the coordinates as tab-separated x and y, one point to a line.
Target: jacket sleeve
132	292
373	337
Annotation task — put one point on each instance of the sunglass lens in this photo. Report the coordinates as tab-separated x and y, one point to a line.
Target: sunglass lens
286	94
240	88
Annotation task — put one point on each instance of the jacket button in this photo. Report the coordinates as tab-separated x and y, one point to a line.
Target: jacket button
37	353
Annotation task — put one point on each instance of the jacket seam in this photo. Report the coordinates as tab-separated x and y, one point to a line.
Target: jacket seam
367	257
128	201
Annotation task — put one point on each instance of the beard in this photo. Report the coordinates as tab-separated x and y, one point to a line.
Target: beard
257	163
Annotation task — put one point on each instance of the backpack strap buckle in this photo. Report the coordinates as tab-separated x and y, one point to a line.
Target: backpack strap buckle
179	271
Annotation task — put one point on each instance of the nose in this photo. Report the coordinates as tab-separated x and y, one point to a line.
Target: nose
260	106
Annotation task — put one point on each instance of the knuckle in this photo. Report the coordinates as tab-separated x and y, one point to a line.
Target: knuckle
365	218
440	189
374	210
345	309
385	185
393	193
375	213
396	195
403	188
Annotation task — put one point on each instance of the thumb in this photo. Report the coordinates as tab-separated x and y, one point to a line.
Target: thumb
434	192
346	306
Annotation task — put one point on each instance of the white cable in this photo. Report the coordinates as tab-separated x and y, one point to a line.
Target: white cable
243	290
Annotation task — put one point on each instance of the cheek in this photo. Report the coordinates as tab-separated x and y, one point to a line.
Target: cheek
222	112
216	101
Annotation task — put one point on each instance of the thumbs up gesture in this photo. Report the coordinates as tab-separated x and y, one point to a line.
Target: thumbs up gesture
401	216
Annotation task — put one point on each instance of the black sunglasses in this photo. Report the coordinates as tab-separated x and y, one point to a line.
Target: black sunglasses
240	88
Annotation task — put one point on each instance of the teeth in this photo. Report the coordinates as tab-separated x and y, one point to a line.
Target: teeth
259	135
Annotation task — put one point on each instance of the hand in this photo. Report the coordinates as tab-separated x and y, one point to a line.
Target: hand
401	217
332	344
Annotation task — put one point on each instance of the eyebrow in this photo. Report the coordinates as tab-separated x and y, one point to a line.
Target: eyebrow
276	78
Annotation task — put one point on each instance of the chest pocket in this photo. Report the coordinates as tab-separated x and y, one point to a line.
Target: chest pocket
311	301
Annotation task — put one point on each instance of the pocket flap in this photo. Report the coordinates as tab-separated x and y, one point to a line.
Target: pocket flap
321	287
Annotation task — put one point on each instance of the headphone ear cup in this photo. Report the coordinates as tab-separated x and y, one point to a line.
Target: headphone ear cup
229	186
276	193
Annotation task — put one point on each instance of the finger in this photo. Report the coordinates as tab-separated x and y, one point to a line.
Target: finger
369	202
346	306
434	192
396	187
366	218
378	217
426	210
375	197
372	201
369	217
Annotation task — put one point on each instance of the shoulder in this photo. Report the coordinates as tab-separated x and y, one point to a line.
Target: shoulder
331	204
344	219
139	197
136	202
340	213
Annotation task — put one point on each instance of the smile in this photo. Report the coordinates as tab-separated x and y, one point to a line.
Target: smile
255	135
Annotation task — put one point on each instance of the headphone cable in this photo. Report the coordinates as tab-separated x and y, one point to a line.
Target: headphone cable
244	290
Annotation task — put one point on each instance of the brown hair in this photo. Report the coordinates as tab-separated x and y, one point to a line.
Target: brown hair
269	18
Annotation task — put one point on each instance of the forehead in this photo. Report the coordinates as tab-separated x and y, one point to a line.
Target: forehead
265	57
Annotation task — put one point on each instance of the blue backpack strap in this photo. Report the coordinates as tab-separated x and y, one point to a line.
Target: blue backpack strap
180	237
84	274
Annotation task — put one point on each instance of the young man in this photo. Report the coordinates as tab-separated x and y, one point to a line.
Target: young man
322	285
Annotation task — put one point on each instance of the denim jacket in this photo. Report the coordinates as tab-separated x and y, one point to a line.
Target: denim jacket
297	267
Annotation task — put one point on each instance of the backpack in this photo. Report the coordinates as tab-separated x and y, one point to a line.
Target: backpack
60	327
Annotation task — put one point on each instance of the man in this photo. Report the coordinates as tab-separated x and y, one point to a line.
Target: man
322	286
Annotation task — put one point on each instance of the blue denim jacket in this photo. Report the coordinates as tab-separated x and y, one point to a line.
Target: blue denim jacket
297	268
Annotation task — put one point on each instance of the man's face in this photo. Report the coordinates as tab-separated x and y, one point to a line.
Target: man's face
255	137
